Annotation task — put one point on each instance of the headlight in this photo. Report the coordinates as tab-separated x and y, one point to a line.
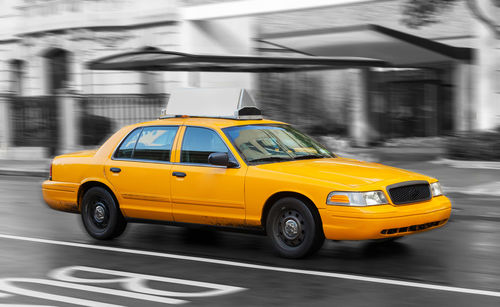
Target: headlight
358	199
436	189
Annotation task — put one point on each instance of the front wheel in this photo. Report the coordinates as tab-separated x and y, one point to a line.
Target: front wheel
101	216
294	229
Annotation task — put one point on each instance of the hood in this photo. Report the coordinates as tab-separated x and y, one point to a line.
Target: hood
346	172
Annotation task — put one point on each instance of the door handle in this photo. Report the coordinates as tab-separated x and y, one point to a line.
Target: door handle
179	174
115	169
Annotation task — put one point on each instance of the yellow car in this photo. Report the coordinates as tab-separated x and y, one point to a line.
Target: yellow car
243	173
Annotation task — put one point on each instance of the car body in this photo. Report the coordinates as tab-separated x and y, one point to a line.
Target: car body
185	188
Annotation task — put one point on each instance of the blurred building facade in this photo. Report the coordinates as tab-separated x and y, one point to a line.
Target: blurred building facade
436	87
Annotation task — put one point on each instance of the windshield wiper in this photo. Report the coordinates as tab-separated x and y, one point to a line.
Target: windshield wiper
309	157
271	159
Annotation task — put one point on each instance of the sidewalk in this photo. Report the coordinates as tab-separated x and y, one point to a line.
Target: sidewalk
32	168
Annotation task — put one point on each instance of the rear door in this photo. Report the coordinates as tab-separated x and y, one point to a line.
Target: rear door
204	193
140	172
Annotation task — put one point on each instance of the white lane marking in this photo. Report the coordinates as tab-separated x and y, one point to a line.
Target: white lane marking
137	282
7	285
260	267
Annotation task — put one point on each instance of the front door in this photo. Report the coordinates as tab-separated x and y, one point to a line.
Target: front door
140	172
204	193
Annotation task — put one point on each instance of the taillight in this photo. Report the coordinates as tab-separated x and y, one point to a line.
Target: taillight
50	171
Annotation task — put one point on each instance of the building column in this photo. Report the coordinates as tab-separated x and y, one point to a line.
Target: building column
5	117
69	120
488	62
431	117
5	126
359	129
464	113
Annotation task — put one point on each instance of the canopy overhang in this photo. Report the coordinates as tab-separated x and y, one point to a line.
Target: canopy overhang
372	41
158	60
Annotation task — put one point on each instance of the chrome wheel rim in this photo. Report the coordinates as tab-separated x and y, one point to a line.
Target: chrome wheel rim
291	227
99	214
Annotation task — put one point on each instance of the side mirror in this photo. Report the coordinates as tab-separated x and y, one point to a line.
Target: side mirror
220	158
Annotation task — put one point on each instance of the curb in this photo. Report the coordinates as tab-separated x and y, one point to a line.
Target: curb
26	173
471	192
491	165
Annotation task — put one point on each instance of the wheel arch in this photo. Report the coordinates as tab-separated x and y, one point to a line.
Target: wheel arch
84	187
280	195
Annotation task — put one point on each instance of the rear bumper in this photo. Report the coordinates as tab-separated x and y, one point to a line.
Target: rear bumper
378	222
61	196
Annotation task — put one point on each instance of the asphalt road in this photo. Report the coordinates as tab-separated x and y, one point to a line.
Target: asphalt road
46	259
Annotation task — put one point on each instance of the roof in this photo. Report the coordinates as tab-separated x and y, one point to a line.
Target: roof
158	60
371	41
207	122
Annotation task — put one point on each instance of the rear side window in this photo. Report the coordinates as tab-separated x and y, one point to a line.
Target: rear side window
128	145
199	143
152	143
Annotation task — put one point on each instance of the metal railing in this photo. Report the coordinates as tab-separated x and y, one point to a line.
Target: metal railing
103	114
124	109
34	121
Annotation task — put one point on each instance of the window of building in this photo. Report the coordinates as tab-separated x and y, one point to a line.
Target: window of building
17	72
199	143
58	72
149	143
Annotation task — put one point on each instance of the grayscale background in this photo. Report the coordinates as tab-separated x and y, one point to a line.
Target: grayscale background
435	110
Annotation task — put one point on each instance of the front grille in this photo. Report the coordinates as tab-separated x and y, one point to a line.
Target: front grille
409	192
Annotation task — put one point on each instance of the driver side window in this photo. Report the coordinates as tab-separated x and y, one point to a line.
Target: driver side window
198	143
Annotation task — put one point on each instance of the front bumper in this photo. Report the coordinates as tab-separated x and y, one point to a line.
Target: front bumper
385	221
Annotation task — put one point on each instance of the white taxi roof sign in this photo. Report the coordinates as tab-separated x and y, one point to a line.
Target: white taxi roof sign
232	103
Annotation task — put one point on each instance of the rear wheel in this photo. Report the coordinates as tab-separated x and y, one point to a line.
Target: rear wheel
100	214
294	229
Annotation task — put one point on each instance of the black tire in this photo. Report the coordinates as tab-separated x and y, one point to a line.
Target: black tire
101	216
294	229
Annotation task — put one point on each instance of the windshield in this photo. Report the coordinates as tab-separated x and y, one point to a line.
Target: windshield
274	143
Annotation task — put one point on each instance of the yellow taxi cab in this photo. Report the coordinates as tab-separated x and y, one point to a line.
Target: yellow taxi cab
235	169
